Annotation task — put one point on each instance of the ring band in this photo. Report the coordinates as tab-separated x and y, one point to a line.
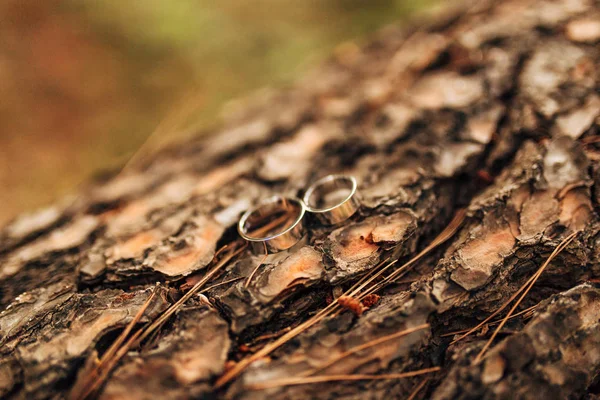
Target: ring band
275	224
333	199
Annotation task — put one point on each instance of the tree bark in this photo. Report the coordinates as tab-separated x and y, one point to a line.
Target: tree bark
495	109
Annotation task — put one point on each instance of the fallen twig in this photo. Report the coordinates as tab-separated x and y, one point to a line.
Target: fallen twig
527	287
239	278
173	308
445	235
268	336
495	322
417	389
367	345
96	377
335	378
117	350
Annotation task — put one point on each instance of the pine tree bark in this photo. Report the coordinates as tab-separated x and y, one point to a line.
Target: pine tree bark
495	109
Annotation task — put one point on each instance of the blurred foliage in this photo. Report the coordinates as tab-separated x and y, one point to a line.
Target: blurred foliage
84	83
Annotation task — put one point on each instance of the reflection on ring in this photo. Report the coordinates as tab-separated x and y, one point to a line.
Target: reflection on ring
333	199
275	224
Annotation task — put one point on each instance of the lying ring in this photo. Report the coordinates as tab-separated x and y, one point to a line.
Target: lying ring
333	198
275	224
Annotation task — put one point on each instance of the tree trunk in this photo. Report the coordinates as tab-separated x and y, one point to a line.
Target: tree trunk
495	109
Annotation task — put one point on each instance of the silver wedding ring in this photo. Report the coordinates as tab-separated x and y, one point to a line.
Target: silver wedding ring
332	199
274	223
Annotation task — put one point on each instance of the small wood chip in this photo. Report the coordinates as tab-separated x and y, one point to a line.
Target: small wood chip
352	304
370	300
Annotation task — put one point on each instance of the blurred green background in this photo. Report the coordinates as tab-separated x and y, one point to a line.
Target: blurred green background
84	83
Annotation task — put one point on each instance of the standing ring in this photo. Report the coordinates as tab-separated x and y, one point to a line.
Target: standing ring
275	224
333	198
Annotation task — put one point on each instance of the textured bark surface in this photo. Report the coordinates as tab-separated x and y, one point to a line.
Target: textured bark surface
495	109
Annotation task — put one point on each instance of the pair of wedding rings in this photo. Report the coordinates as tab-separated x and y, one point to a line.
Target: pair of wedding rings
276	223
